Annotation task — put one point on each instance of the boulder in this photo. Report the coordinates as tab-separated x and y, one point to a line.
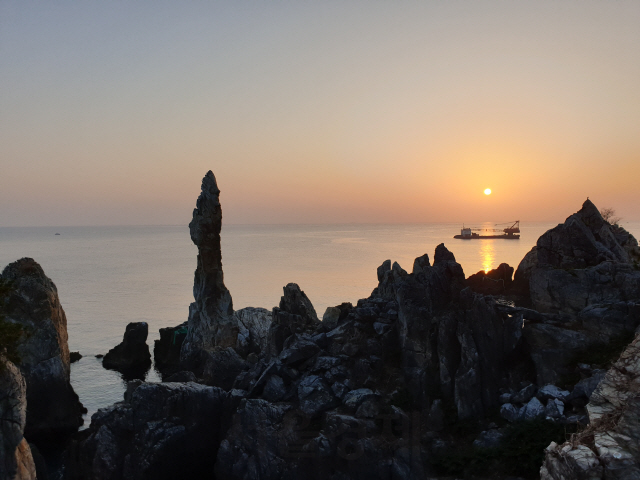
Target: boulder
16	461
33	303
554	408
331	317
298	352
161	431
552	392
132	355
354	398
315	396
253	329
533	409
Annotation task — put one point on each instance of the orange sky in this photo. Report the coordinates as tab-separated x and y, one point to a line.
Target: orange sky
318	113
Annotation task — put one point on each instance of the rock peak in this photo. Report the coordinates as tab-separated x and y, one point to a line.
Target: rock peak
210	314
443	255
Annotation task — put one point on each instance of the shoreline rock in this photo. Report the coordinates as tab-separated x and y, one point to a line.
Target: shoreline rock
54	408
16	460
132	356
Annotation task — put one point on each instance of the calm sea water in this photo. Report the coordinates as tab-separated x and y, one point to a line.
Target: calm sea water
110	276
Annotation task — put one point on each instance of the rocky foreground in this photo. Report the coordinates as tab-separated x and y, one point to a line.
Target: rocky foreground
434	375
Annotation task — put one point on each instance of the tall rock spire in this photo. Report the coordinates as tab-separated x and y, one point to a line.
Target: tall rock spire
211	322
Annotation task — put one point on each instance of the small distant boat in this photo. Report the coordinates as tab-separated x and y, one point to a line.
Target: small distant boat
510	233
57	234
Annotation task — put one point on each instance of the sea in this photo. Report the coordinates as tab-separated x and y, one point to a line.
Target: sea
109	276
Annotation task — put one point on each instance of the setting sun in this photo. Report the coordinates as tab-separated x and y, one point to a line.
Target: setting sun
487	191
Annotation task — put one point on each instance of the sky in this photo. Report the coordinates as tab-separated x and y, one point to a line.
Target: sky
318	112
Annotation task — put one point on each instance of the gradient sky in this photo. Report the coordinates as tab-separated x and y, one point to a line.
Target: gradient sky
318	112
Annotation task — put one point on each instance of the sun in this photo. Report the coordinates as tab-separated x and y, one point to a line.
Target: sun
487	191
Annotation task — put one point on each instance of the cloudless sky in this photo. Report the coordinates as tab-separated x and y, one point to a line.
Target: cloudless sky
318	112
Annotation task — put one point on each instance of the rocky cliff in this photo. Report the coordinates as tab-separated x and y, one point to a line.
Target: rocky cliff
53	406
610	447
16	461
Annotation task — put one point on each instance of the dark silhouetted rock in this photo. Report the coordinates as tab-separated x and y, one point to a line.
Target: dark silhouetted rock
132	355
583	262
162	431
166	350
211	323
493	282
74	356
53	407
295	315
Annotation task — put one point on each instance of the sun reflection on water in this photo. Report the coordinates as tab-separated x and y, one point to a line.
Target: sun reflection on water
487	254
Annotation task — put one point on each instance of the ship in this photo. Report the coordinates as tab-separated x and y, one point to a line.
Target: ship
512	232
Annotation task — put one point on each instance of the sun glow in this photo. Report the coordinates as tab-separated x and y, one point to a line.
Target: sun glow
487	191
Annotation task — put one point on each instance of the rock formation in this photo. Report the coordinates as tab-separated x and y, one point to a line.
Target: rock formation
132	356
161	431
379	389
493	282
583	278
211	323
610	447
218	340
53	406
16	461
582	262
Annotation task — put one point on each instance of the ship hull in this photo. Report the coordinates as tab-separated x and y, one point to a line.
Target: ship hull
480	237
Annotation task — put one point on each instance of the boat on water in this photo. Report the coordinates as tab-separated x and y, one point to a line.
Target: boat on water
510	233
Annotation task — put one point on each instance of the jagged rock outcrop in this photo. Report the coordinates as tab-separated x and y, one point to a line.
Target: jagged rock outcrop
583	281
295	314
610	447
453	341
161	431
53	406
16	461
582	262
493	282
217	341
132	356
211	323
